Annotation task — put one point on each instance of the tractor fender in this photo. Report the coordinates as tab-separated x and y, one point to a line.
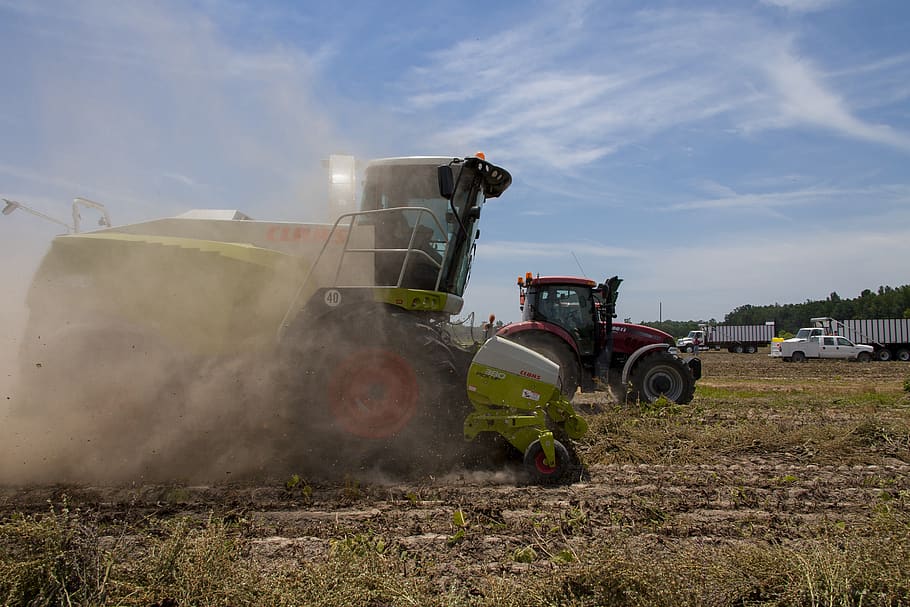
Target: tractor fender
533	325
635	356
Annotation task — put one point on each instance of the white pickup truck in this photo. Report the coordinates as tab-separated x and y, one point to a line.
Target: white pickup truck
813	343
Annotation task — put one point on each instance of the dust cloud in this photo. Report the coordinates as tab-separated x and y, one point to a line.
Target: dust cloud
123	375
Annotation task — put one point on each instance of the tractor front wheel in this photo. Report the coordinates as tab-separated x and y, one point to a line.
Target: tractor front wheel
662	374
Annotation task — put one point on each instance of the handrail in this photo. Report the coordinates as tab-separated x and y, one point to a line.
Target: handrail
350	219
85	202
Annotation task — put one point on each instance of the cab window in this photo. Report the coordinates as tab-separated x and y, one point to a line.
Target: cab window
572	309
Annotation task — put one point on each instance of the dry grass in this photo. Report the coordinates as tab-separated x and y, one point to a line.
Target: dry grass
206	564
761	497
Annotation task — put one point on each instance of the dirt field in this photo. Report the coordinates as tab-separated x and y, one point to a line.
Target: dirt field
779	484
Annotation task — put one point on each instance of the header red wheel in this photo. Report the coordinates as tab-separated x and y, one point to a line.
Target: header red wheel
543	474
373	393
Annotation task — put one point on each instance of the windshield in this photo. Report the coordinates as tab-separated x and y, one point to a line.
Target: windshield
416	185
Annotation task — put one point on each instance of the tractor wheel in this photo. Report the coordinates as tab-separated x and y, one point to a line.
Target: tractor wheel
540	473
903	355
662	374
557	351
883	355
798	357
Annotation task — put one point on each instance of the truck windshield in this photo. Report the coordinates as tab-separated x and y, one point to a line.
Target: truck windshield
803	333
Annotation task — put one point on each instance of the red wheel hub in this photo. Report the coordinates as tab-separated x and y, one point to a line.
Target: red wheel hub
541	462
373	393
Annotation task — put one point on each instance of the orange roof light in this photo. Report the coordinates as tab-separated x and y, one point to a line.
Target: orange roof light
529	276
480	155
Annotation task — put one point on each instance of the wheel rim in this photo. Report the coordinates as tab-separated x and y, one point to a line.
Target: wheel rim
373	393
663	381
903	355
540	462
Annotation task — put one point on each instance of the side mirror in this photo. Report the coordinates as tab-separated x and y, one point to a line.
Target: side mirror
446	181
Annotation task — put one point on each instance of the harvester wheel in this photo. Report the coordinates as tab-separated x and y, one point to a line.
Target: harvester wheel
558	352
542	474
388	395
373	393
662	374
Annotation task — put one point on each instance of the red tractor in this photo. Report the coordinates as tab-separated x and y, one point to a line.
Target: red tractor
570	321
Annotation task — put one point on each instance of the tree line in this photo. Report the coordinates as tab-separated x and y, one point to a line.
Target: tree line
888	302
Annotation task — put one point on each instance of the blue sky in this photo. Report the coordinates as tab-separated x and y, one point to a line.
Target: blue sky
713	154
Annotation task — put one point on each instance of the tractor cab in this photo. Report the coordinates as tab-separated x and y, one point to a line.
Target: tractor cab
579	306
566	302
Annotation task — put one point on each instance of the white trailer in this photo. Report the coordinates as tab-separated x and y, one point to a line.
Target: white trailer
735	338
890	337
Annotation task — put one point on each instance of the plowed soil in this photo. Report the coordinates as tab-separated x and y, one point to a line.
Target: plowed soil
683	482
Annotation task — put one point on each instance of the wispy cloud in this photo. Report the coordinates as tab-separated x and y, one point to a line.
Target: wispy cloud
803	6
802	98
508	251
149	99
632	78
882	195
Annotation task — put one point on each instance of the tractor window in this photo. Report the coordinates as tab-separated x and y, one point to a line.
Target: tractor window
572	308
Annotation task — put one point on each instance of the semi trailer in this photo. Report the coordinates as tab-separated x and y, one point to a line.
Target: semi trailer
889	337
733	338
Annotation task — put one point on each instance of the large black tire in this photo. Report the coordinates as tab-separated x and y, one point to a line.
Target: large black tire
902	355
661	374
883	355
388	397
539	473
557	351
864	357
751	349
